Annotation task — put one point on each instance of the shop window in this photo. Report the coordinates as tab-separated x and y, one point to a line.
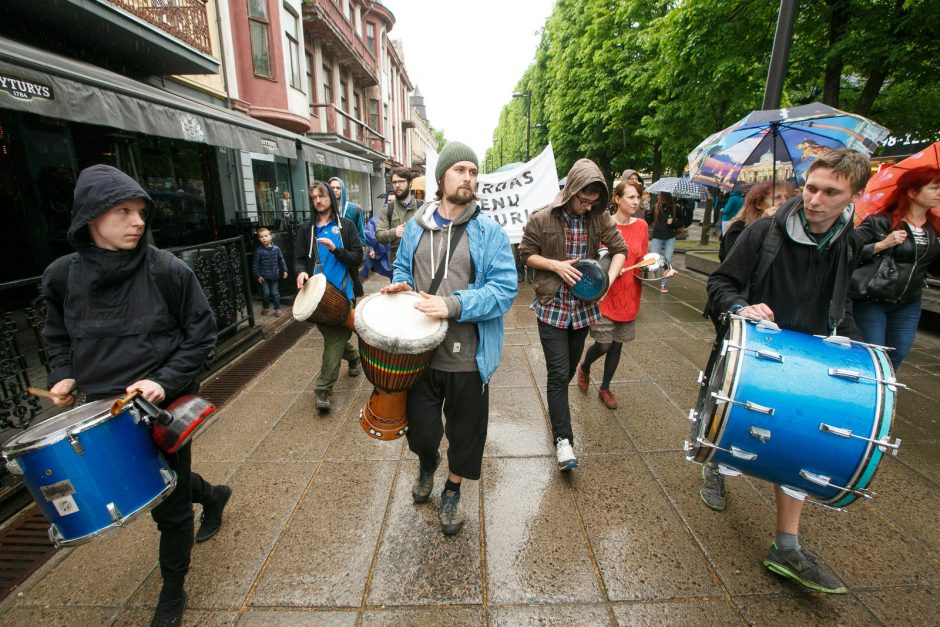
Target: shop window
258	30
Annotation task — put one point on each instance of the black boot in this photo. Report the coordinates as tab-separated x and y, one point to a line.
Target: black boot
170	606
211	519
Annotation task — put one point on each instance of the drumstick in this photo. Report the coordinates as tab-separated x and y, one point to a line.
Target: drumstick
46	394
643	263
118	406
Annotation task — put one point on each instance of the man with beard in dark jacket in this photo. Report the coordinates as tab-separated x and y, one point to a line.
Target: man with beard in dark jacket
112	328
803	290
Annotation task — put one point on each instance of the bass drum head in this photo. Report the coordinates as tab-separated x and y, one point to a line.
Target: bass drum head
593	282
391	323
58	427
309	296
721	373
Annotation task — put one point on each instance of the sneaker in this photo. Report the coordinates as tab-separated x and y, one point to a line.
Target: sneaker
608	398
566	458
451	513
802	565
354	368
323	402
266	311
584	378
277	313
169	613
663	289
211	519
713	490
421	490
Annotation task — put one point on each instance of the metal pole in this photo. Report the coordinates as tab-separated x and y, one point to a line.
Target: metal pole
528	120
777	70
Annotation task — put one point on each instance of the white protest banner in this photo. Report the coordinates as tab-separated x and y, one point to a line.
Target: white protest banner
430	183
509	197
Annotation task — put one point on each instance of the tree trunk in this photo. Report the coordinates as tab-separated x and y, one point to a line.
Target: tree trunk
871	90
707	221
832	81
656	166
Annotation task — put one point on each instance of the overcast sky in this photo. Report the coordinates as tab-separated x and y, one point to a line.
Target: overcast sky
466	58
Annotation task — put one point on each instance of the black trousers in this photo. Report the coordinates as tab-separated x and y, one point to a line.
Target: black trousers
466	403
562	348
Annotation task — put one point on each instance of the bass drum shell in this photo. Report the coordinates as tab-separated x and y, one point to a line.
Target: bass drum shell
760	369
594	281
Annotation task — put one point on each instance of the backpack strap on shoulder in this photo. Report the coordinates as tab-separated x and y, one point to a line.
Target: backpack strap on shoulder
164	280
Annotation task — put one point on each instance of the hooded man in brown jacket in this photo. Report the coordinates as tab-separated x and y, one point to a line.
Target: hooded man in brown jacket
571	228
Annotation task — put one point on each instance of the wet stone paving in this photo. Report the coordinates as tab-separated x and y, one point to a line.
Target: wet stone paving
321	528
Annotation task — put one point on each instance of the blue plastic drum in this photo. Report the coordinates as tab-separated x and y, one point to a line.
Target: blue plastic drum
593	282
810	414
90	472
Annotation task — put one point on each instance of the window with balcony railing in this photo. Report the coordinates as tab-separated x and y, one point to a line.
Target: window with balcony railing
292	32
258	31
370	36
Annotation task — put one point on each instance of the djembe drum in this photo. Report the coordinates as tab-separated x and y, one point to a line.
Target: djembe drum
396	343
319	301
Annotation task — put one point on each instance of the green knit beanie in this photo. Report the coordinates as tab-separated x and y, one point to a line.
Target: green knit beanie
454	152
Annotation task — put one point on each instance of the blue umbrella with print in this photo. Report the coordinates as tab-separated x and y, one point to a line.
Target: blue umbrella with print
778	144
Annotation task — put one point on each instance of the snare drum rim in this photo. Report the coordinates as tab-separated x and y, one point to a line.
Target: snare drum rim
712	427
13	448
604	278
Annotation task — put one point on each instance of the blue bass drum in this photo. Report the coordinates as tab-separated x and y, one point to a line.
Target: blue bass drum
810	414
90	472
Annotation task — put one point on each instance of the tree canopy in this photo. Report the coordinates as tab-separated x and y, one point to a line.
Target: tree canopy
639	83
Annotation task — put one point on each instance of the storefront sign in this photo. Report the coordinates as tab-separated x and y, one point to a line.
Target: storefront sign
509	197
25	90
269	145
192	128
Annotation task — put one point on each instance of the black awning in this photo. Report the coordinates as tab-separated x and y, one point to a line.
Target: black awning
50	85
317	153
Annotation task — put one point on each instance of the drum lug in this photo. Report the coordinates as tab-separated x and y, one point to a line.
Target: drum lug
839	340
761	434
115	513
728	471
135	413
883	444
767	325
76	445
14	467
723	398
760	354
734	451
799	495
55	536
855	376
693	415
168	476
701	377
826	482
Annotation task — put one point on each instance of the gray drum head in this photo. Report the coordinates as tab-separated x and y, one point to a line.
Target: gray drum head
58	427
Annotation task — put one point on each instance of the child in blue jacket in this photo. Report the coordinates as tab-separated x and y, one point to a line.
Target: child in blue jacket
268	266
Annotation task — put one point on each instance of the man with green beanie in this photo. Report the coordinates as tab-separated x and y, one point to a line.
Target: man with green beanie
461	264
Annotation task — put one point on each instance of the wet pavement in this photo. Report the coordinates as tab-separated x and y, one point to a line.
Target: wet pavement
321	528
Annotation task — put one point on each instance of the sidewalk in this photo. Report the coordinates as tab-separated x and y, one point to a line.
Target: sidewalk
321	528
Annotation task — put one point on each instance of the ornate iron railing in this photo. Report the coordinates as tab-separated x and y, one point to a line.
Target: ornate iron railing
187	20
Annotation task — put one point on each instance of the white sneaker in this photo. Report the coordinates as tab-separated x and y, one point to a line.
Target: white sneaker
566	458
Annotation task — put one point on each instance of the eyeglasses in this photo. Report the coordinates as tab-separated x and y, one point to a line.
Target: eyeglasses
588	201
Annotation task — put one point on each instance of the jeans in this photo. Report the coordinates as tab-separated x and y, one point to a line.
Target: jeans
665	247
888	324
562	348
270	292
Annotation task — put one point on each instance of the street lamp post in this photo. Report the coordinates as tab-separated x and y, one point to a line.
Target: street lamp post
528	110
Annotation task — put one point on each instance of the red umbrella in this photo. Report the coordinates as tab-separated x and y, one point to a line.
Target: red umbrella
881	190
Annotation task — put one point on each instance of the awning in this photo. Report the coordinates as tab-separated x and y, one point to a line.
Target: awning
47	84
317	153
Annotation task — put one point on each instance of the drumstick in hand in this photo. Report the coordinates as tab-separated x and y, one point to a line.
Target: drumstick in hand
642	264
118	406
46	394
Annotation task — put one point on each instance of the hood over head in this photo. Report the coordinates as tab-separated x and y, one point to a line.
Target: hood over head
583	173
628	173
341	203
97	189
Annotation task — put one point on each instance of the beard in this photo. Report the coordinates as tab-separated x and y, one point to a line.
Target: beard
401	196
462	196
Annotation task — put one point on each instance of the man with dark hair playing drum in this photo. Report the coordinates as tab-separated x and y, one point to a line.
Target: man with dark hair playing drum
803	289
329	244
122	316
461	265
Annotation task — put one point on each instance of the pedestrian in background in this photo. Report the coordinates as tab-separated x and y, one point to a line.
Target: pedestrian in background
730	209
665	226
328	244
348	209
761	201
391	223
268	267
905	230
573	227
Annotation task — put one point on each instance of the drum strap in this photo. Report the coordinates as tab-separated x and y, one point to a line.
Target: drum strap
455	236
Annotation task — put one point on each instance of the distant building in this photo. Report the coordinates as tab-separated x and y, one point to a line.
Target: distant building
422	138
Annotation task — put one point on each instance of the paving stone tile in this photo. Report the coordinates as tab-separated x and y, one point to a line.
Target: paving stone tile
924	384
302	434
735	540
311	339
323	557
641	545
515	337
419	565
513	370
812	608
224	568
54	616
297	618
523	317
694	349
240	426
535	549
517	424
651	420
407	617
921	411
904	606
550	615
690	613
292	372
141	616
351	442
660	359
105	572
597	430
908	500
921	457
660	330
629	369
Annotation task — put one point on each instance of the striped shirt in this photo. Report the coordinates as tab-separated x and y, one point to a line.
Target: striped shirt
566	311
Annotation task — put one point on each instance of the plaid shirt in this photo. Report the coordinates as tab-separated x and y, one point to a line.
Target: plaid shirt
565	310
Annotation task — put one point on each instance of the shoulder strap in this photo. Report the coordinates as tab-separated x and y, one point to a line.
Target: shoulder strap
59	274
164	280
389	210
455	236
768	252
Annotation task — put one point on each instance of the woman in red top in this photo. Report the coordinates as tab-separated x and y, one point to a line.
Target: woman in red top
622	301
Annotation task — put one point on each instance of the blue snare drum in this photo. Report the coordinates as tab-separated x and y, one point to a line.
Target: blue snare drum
810	414
90	472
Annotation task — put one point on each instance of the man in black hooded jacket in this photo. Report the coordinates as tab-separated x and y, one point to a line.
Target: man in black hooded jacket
123	316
